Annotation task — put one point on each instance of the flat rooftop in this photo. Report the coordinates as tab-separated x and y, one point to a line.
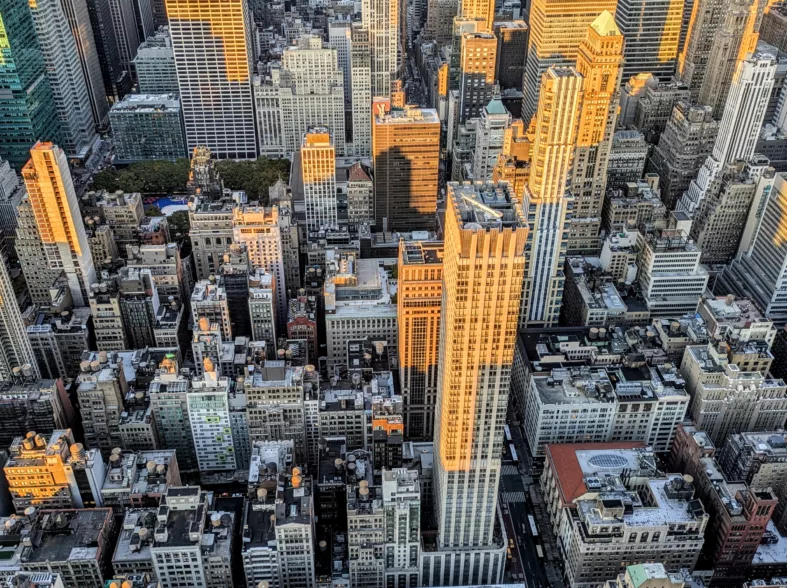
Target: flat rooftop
486	205
86	528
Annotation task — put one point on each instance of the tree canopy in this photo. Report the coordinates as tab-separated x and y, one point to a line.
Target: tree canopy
254	177
147	177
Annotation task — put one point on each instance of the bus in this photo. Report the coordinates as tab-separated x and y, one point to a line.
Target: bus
508	433
533	528
514	456
540	552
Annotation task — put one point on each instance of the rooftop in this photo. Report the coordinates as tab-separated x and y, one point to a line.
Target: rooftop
147	103
485	205
69	535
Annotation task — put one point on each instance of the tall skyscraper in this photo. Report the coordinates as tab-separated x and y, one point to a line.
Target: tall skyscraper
124	22
652	31
483	266
16	350
381	19
546	199
27	101
54	202
361	91
476	73
213	57
79	21
318	168
706	18
599	62
117	81
557	27
406	156
66	76
419	300
740	126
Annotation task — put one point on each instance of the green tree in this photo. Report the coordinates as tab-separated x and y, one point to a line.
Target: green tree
254	177
153	210
179	223
148	177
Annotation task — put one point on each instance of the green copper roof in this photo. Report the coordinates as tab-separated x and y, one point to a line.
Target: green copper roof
495	106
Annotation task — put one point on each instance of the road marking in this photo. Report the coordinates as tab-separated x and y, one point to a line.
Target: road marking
510	497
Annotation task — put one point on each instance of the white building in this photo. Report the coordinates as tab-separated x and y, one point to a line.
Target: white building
155	65
262	307
401	493
361	91
66	76
318	169
381	19
581	405
489	138
213	59
209	415
17	351
740	125
613	492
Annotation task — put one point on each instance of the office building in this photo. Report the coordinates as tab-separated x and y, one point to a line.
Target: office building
261	229
718	407
670	274
684	145
490	136
318	168
381	18
29	101
582	404
616	490
706	19
209	303
53	473
127	34
28	404
647	574
511	52
64	69
210	233
599	62
262	307
155	65
81	557
212	47
365	528
405	154
556	31
58	340
652	32
419	300
360	195
361	91
651	101
54	202
739	514
147	127
101	390
627	158
117	80
208	406
478	56
401	494
16	351
545	196
638	204
484	263
78	16
137	480
104	301
740	125
168	392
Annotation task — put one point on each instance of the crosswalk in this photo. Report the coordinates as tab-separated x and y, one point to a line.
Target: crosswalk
509	470
510	497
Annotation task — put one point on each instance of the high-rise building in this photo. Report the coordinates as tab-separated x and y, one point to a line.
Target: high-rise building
213	49
599	62
381	19
261	293
124	21
76	12
556	30
168	394
28	103
16	351
740	125
478	9
66	76
155	65
117	81
490	133
318	168
361	91
652	31
406	154
101	390
439	21
546	200
706	18
147	127
59	221
483	267
684	145
476	73
511	52
419	300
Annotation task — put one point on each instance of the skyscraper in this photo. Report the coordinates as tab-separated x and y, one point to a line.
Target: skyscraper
483	266
318	167
599	62
740	125
66	76
652	31
79	21
406	154
476	73
213	57
706	18
419	300
381	19
546	200
54	202
557	27
483	9
126	32
27	101
361	91
117	81
16	350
